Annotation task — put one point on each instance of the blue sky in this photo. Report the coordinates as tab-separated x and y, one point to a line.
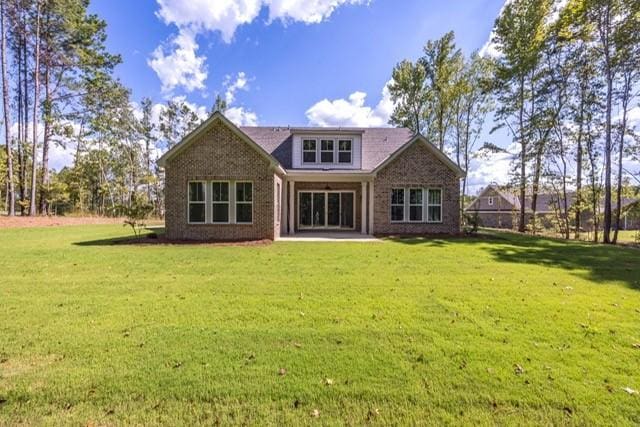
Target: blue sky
291	65
297	62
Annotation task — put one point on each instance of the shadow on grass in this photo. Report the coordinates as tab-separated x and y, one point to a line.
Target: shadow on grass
129	240
601	263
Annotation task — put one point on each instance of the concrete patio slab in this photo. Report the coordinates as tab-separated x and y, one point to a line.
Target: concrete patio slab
328	237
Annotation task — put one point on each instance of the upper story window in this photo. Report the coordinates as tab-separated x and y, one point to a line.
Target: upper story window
327	151
490	201
308	151
344	151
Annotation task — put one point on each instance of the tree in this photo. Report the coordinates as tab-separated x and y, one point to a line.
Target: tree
471	102
409	96
11	195
441	61
177	119
519	34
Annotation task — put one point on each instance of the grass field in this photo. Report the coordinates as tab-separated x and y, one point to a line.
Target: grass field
495	329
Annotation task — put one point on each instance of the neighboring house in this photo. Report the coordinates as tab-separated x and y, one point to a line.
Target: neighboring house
497	208
224	182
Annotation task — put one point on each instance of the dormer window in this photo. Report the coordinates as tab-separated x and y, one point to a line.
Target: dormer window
309	151
326	151
344	151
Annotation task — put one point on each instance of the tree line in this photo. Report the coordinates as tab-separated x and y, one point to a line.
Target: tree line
59	91
561	80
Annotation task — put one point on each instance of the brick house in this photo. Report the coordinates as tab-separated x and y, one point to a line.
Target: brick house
224	182
497	208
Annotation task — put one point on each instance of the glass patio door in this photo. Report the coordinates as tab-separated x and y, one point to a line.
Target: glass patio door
326	209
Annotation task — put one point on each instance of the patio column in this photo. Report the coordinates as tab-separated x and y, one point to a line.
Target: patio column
363	213
292	201
371	207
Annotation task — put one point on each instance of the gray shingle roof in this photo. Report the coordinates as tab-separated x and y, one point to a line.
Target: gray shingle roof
377	143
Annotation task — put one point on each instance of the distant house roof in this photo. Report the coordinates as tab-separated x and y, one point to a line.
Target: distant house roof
545	202
378	144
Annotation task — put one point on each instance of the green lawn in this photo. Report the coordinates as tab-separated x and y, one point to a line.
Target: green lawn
496	329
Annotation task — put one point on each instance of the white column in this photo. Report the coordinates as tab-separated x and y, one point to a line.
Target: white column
371	198
292	200
363	213
283	207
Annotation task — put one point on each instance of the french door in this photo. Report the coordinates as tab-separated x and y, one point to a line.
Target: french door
326	209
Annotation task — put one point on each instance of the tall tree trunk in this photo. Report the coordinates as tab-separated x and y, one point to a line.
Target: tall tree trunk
44	191
626	90
36	97
22	155
523	160
605	37
11	194
579	166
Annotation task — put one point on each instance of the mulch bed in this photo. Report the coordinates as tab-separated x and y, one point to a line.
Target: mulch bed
154	239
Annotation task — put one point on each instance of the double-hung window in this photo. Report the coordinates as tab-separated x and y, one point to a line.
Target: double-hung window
415	204
326	151
244	202
434	205
197	207
490	201
397	205
220	202
309	151
344	151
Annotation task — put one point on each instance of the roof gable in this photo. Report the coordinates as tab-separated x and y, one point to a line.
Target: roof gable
419	139
202	128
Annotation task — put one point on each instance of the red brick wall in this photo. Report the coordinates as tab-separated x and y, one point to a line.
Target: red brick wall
219	154
417	166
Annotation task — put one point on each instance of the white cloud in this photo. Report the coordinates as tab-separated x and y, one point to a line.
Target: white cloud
351	111
493	168
181	67
240	83
307	11
241	117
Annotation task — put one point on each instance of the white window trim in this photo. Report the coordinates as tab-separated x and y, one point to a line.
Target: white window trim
336	151
428	205
410	205
404	206
236	202
490	201
228	202
315	140
350	151
332	151
326	210
189	202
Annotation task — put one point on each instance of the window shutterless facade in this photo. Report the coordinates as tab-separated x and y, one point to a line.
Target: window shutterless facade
410	205
397	205
196	206
326	151
344	151
220	202
434	205
309	147
244	202
415	205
